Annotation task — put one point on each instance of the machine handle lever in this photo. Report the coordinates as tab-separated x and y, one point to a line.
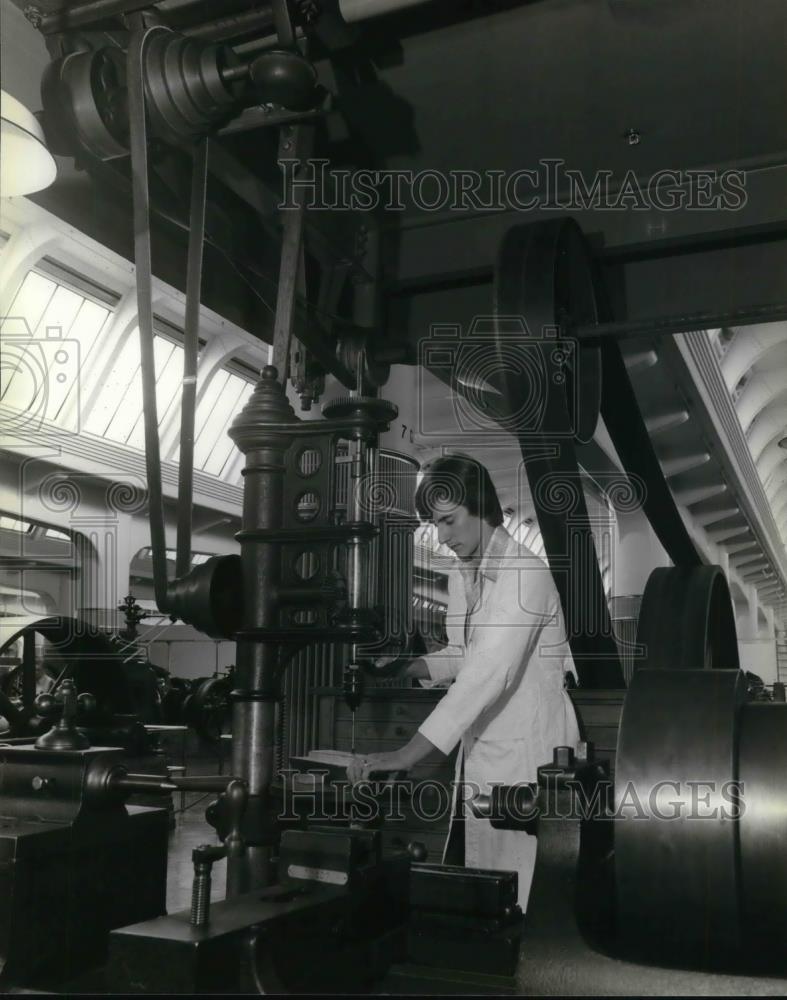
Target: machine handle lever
203	856
121	779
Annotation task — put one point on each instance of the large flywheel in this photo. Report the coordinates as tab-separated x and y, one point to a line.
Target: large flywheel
57	647
548	388
687	620
676	836
692	757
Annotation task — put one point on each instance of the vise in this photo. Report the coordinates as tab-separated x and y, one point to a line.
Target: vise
335	923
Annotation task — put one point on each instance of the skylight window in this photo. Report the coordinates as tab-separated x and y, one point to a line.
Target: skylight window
527	533
54	533
225	396
197	558
117	412
14	524
49	334
53	332
22	527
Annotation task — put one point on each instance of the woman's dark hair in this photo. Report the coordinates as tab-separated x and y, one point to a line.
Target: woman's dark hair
460	480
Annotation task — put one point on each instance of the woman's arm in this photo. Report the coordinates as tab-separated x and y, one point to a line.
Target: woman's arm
500	653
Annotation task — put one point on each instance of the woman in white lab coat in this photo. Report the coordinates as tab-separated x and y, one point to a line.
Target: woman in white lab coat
507	657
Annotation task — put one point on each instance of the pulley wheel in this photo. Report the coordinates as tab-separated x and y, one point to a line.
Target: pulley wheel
76	649
762	770
545	276
354	353
210	596
84	100
381	411
186	91
676	839
687	621
548	395
208	709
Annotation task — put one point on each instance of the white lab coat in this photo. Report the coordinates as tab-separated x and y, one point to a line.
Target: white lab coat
507	657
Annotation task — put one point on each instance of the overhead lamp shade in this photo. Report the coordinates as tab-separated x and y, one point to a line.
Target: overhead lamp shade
26	165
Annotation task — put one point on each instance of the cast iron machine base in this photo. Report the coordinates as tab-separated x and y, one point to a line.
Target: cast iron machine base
74	862
334	923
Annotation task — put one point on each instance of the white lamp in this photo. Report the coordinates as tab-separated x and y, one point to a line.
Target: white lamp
26	165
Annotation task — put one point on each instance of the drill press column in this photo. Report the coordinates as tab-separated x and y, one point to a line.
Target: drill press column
257	692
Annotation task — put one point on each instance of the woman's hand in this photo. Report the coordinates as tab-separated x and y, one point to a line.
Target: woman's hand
361	767
403	759
400	666
388	666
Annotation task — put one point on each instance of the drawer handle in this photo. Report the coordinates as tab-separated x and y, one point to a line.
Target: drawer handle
400	710
400	731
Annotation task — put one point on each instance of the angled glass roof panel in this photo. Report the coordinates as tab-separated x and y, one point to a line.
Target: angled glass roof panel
169	372
169	385
89	321
60	313
64	324
235	459
112	394
233	471
14	524
54	533
236	391
117	412
203	440
24	365
31	300
87	325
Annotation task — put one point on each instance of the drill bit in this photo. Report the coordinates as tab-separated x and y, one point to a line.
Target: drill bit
353	692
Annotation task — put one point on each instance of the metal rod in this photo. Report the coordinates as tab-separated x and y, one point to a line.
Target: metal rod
144	280
697	243
175	6
295	142
303	663
142	783
188	404
194	782
231	73
281	19
681	323
360	10
28	669
87	13
232	26
255	45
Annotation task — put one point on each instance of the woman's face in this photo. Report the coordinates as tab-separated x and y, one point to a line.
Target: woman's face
457	528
